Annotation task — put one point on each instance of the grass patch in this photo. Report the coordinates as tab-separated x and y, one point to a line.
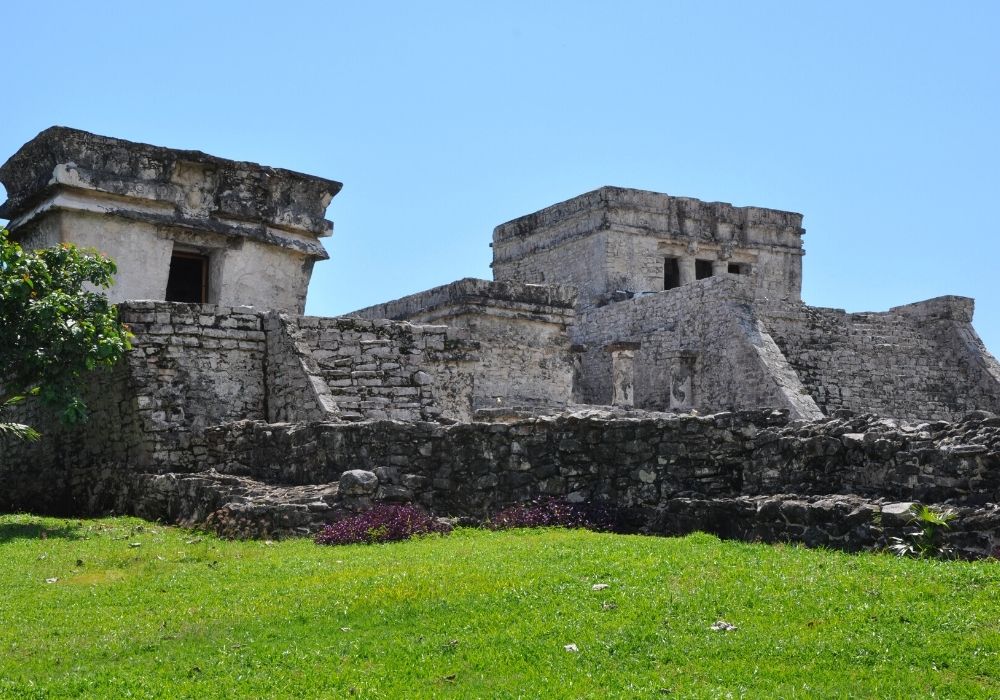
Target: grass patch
141	610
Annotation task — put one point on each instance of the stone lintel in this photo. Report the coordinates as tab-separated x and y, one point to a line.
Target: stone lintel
198	190
619	345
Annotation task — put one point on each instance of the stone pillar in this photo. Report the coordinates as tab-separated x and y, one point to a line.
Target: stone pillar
682	369
686	266
719	267
622	373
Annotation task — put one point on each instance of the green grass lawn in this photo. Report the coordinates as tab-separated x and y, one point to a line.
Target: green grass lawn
141	610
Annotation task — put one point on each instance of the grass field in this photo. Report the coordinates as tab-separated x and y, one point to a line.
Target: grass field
141	610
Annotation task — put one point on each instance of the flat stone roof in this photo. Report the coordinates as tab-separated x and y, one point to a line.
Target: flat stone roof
211	187
610	199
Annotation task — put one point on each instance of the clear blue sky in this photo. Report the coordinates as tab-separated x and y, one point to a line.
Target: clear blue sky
877	120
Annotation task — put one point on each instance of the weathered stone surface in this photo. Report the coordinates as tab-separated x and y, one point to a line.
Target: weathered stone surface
255	226
522	351
358	482
475	395
616	240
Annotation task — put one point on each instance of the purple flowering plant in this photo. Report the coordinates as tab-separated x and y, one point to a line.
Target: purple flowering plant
386	522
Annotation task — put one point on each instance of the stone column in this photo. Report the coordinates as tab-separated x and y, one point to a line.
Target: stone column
686	267
719	267
682	370
622	373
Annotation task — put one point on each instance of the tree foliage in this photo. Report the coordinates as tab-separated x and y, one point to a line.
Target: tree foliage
56	325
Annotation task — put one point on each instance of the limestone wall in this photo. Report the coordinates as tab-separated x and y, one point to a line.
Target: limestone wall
699	346
359	369
618	239
192	366
519	330
922	361
556	257
297	390
641	464
74	469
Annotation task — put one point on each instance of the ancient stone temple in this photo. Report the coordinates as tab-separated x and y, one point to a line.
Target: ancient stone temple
635	349
182	225
616	242
682	305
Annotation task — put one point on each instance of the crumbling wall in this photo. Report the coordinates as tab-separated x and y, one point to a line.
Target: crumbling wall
192	366
473	468
522	350
555	257
921	361
367	370
74	468
699	346
297	390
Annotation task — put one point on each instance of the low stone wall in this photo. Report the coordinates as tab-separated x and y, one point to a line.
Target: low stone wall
241	507
842	522
669	473
473	469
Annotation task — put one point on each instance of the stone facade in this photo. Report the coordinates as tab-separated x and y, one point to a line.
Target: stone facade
614	240
617	320
182	225
523	356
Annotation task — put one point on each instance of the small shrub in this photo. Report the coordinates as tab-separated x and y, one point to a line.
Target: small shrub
386	522
553	512
924	540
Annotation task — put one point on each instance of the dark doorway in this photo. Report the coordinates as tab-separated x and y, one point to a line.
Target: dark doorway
738	269
671	273
188	279
702	269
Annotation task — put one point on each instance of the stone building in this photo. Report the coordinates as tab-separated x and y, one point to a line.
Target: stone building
643	350
685	305
182	225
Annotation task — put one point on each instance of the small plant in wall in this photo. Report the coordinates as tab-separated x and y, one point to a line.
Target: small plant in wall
924	539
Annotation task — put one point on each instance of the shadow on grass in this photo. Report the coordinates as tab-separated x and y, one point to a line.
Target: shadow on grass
37	531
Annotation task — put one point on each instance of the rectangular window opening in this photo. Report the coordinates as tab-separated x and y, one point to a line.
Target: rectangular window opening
671	273
188	278
702	269
737	269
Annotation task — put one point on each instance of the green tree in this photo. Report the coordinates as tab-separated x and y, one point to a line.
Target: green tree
56	325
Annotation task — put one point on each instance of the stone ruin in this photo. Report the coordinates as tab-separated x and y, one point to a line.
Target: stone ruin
644	351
